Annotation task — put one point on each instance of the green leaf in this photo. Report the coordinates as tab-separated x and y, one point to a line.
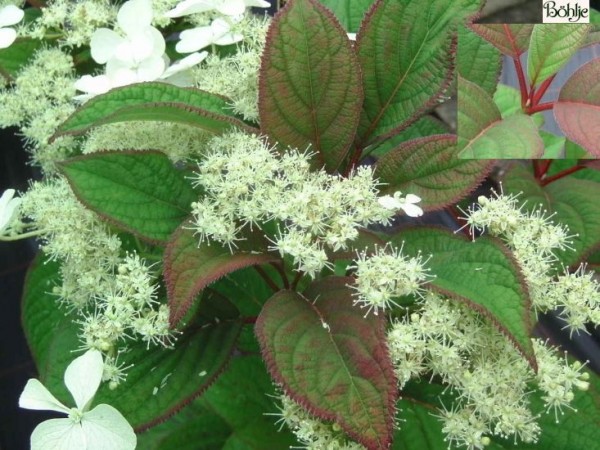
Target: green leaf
508	101
575	203
189	267
483	134
405	54
577	110
510	39
154	101
159	382
553	145
482	274
13	58
350	380
309	90
425	126
350	13
477	60
141	192
429	168
551	47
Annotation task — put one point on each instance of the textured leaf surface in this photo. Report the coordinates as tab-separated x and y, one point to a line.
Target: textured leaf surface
510	39
350	13
553	145
477	60
575	203
429	168
483	134
551	47
141	192
154	101
331	359
230	415
190	267
425	126
405	51
309	90
508	101
13	58
159	382
577	110
482	274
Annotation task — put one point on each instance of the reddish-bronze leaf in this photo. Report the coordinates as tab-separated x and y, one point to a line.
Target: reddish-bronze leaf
190	267
577	109
510	39
310	91
331	359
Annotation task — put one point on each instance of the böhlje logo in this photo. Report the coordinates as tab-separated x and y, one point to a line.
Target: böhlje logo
566	11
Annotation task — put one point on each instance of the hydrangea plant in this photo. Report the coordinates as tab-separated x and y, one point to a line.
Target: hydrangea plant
218	235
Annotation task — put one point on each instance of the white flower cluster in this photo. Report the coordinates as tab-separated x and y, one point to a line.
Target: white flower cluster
115	295
534	239
445	339
39	99
134	54
247	183
384	276
312	433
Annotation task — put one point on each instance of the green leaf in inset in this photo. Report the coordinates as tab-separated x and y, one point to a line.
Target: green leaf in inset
425	126
159	381
553	145
154	101
14	57
510	39
482	274
483	134
575	203
477	60
331	359
350	13
429	168
141	192
405	51
508	101
190	267
309	90
577	110
551	47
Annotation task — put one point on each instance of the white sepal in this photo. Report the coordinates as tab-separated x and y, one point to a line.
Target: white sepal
58	434
106	429
83	377
36	396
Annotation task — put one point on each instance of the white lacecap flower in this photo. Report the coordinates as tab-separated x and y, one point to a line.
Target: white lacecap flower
407	204
217	33
9	15
136	56
9	207
225	7
102	427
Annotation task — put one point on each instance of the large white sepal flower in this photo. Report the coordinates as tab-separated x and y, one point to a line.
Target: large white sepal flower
218	33
9	207
102	428
407	204
225	7
9	15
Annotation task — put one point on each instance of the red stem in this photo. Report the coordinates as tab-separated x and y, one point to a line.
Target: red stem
296	280
542	90
518	67
536	169
560	175
278	267
265	276
251	320
540	107
353	160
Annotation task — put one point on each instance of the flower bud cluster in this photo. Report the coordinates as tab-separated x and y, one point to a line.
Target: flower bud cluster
384	276
312	433
491	388
246	183
534	239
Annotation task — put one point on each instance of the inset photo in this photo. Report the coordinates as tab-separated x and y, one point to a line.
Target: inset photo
529	91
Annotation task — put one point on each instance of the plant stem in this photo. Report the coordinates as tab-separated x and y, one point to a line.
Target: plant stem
356	154
279	268
518	67
560	175
250	320
265	276
540	107
296	280
541	91
22	236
